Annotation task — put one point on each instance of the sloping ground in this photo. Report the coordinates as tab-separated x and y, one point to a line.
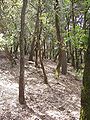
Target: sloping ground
61	101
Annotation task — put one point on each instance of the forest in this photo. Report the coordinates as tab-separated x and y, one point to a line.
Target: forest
44	59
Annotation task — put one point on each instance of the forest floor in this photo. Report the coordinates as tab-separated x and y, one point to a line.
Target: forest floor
61	101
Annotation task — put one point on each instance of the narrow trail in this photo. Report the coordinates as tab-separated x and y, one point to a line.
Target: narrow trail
60	102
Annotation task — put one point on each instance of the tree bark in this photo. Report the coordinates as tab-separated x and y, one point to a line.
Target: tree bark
31	53
21	78
62	52
37	32
58	33
85	93
64	62
40	57
73	23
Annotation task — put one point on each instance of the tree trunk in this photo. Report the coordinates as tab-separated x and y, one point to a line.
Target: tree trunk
40	57
64	63
25	47
10	56
73	57
44	49
77	59
61	42
73	23
16	49
81	56
47	56
36	54
53	51
85	93
58	33
31	53
37	32
21	78
50	50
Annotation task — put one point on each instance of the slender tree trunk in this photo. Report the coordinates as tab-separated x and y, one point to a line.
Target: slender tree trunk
53	51
64	62
10	56
36	54
42	66
31	53
37	32
21	78
58	33
25	46
73	57
41	60
62	52
77	59
73	23
68	42
81	56
47	56
44	49
16	49
50	50
85	93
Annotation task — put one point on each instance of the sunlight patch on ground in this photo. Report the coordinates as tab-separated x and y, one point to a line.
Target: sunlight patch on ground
54	114
31	78
8	94
75	114
10	87
34	117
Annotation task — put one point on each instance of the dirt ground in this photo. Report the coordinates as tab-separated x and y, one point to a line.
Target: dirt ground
61	101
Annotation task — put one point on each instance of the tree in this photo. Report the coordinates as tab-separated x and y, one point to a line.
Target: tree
85	93
62	54
38	46
21	78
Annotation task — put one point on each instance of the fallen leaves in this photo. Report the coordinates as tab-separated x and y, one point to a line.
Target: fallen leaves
60	101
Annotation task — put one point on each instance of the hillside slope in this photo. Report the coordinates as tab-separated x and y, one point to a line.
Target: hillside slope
61	101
